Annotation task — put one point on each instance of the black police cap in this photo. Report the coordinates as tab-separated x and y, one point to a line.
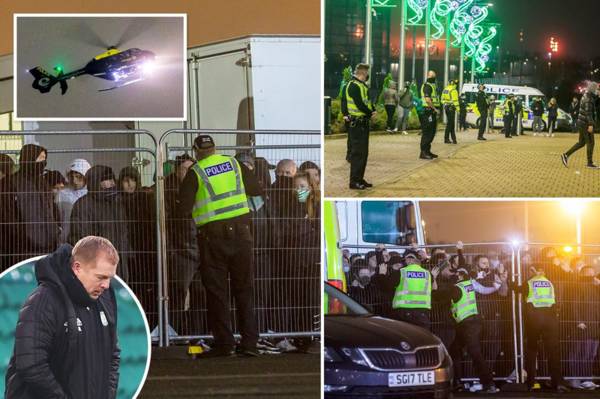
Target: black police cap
204	141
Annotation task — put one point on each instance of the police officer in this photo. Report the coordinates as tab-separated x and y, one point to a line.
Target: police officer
431	104
509	115
541	321
516	131
463	305
451	104
360	111
215	192
412	297
482	105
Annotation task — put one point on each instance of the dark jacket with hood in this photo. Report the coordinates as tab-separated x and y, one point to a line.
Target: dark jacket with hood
66	344
102	213
35	218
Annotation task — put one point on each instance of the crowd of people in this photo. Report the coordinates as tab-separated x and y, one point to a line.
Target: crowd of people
41	209
373	279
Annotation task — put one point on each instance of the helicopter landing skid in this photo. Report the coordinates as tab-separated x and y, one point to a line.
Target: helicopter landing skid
122	85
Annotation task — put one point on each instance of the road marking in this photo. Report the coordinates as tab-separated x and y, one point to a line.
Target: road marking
225	377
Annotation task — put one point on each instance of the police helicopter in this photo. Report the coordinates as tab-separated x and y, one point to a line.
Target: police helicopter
121	67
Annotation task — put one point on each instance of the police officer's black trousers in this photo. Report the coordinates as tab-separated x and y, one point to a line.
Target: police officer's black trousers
418	317
482	124
508	119
585	139
428	127
542	322
468	335
450	128
226	251
358	135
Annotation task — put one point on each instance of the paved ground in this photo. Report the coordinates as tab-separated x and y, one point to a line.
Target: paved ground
539	395
292	375
524	166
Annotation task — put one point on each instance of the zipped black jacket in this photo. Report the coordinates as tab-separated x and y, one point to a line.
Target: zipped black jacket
66	344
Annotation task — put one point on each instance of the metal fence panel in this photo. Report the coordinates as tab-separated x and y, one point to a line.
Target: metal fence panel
286	239
578	302
37	216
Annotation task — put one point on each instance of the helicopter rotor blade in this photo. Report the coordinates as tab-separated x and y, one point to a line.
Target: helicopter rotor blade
82	32
134	29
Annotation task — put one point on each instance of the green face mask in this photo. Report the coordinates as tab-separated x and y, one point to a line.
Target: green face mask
302	194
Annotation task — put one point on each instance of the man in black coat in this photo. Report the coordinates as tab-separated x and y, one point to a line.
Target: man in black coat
35	220
66	343
482	105
101	212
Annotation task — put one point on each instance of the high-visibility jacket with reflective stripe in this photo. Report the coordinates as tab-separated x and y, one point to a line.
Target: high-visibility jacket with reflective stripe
541	292
450	96
466	305
434	95
364	94
221	194
414	290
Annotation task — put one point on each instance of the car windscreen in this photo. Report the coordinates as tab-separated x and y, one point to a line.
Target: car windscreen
342	304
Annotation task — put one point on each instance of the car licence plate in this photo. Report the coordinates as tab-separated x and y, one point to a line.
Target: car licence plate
411	379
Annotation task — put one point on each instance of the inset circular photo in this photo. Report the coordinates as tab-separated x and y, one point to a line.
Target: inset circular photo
70	327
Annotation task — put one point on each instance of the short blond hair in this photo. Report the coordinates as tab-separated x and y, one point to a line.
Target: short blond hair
86	250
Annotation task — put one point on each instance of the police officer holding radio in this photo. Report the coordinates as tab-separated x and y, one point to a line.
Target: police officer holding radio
412	296
215	192
463	305
451	104
360	111
431	104
541	321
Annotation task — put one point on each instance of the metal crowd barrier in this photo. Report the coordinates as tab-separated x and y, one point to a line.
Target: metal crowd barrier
36	222
504	332
160	256
286	244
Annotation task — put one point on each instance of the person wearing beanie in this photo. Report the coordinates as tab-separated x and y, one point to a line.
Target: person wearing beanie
36	224
101	213
76	188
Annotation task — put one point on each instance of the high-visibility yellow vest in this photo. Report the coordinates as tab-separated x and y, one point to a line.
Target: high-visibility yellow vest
450	96
509	107
466	305
434	95
364	94
221	194
541	292
414	290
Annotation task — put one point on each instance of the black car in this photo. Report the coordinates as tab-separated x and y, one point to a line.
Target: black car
369	356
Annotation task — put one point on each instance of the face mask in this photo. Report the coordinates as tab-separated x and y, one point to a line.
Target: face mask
431	80
364	280
367	77
109	192
35	168
302	194
346	268
495	263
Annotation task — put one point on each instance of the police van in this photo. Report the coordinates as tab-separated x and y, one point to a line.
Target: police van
526	94
360	225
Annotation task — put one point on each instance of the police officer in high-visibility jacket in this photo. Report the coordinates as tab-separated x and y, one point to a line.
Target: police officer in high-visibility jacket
412	297
215	193
541	321
431	105
509	114
360	111
451	104
463	305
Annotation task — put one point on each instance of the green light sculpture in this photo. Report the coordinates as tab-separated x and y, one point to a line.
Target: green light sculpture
442	9
417	6
460	21
475	30
484	49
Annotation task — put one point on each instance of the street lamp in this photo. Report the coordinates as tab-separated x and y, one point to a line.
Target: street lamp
575	207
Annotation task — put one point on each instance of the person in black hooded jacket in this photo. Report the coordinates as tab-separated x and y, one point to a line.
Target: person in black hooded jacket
35	217
66	343
101	212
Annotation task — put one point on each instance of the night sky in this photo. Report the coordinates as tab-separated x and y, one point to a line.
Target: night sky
575	23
